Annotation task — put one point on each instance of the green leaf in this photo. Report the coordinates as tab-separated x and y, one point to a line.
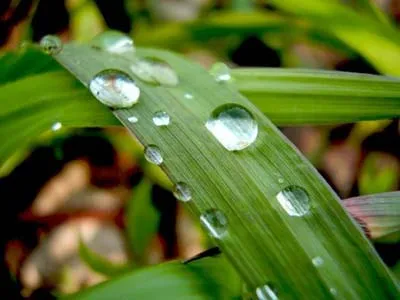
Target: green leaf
142	220
290	96
378	215
376	41
209	278
100	264
27	61
31	105
248	193
378	174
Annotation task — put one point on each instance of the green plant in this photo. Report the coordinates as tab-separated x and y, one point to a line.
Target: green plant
274	218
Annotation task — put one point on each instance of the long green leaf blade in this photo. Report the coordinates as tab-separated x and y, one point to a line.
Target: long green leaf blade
262	239
290	96
209	278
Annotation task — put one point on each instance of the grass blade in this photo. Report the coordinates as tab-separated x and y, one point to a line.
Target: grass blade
248	188
378	214
290	96
142	220
209	278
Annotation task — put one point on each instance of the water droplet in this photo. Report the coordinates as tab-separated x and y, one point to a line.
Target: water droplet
266	292
155	71
317	261
153	154
220	72
56	126
133	119
188	96
51	44
113	42
161	118
115	89
294	200
182	192
333	291
233	126
215	222
281	180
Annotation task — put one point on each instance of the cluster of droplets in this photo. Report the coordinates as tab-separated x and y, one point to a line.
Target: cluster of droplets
232	125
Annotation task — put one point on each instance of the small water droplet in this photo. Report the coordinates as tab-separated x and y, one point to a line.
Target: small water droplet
56	126
317	261
333	291
155	71
182	192
281	180
294	200
51	44
215	222
161	118
233	126
133	119
153	154
220	72
113	42
188	96
266	292
115	89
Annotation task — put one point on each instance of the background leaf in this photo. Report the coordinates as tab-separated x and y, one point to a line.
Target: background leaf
209	278
142	220
100	264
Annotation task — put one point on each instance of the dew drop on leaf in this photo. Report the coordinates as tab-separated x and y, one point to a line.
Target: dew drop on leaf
215	222
294	200
113	42
161	118
133	119
233	126
115	89
188	96
155	71
56	126
220	72
153	155
266	292
182	192
317	261
51	44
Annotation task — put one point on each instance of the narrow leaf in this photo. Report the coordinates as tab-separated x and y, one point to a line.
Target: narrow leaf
378	215
101	264
142	220
209	278
377	42
265	206
290	96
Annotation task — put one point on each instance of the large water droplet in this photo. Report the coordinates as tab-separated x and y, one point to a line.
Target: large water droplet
266	292
51	44
233	126
294	200
115	89
153	154
318	261
215	222
155	71
161	118
113	42
182	192
220	72
133	119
